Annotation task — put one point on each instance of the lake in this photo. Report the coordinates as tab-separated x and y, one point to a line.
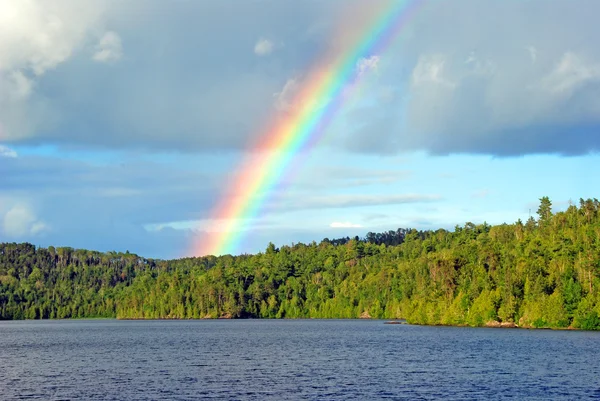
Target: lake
291	359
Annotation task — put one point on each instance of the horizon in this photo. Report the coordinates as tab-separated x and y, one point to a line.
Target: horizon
122	125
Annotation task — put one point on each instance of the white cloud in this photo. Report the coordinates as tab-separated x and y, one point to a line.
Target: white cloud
284	100
36	36
430	69
38	227
367	64
20	221
204	225
346	224
263	47
40	34
478	66
5	151
109	49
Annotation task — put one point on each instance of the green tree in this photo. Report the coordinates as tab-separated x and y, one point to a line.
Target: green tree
544	210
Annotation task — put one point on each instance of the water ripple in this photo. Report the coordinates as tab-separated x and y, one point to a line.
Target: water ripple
291	360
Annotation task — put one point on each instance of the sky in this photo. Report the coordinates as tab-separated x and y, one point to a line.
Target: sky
123	124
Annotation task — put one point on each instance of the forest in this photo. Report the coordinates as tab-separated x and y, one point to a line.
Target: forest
542	273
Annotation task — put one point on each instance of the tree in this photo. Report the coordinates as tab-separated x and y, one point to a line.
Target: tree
544	210
537	274
271	249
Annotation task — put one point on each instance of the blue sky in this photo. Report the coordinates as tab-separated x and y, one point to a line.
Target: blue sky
121	123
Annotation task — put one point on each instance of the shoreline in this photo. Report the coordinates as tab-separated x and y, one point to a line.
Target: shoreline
488	325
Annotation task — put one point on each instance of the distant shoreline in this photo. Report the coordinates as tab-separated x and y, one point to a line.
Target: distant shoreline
489	325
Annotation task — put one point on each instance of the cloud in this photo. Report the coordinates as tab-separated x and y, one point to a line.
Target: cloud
189	83
284	99
430	70
571	73
367	64
37	36
476	87
346	224
263	47
5	151
216	225
326	177
348	201
19	86
458	80
376	217
20	221
109	49
483	110
38	227
294	95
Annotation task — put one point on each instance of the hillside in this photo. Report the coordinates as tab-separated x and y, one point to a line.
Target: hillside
541	273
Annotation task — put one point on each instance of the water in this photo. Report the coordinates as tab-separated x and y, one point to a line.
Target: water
291	359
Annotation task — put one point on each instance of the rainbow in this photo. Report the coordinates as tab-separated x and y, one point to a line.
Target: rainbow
321	97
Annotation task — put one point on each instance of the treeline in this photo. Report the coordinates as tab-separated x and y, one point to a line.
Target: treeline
541	273
388	238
